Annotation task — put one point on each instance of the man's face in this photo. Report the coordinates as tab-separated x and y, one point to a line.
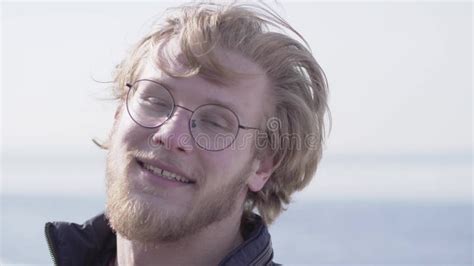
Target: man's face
141	204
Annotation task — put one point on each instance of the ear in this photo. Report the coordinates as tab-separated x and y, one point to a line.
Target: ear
263	170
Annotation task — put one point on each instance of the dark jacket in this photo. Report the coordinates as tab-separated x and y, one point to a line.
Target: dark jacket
94	243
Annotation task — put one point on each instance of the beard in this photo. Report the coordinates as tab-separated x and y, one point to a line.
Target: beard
141	218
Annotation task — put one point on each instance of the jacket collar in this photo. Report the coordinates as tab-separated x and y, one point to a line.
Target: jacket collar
94	243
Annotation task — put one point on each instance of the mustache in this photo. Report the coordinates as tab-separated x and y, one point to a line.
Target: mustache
153	155
158	155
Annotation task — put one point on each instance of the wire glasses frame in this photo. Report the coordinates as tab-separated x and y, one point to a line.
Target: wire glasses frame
173	109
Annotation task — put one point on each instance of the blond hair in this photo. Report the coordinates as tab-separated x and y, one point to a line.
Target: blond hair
298	84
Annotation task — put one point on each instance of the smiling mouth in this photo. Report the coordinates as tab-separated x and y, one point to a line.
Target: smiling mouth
165	174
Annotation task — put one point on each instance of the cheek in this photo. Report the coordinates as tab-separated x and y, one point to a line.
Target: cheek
130	135
224	164
245	141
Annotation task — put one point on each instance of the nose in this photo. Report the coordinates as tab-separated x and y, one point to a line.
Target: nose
174	133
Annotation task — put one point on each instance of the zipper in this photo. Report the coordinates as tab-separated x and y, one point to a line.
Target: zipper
47	232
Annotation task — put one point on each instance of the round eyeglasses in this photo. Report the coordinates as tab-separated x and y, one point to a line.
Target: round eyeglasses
213	127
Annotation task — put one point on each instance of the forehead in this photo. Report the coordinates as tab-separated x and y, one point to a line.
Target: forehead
244	95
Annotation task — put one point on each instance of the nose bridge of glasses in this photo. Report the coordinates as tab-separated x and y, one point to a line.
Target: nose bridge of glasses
186	118
175	118
175	128
187	109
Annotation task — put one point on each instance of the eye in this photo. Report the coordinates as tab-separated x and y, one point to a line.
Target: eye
215	123
215	119
211	123
150	100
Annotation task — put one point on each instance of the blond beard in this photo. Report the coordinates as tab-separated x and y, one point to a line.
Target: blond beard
137	219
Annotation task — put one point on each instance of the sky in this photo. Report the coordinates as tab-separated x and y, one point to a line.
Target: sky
400	76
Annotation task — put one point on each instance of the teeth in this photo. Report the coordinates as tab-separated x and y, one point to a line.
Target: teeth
164	173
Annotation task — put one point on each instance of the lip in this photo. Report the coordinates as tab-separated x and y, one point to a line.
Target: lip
165	167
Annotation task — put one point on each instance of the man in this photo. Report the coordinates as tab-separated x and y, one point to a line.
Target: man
218	116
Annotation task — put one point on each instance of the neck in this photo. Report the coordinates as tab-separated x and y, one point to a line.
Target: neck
207	247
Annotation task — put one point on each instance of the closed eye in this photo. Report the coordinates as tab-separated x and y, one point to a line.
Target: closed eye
155	101
212	123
